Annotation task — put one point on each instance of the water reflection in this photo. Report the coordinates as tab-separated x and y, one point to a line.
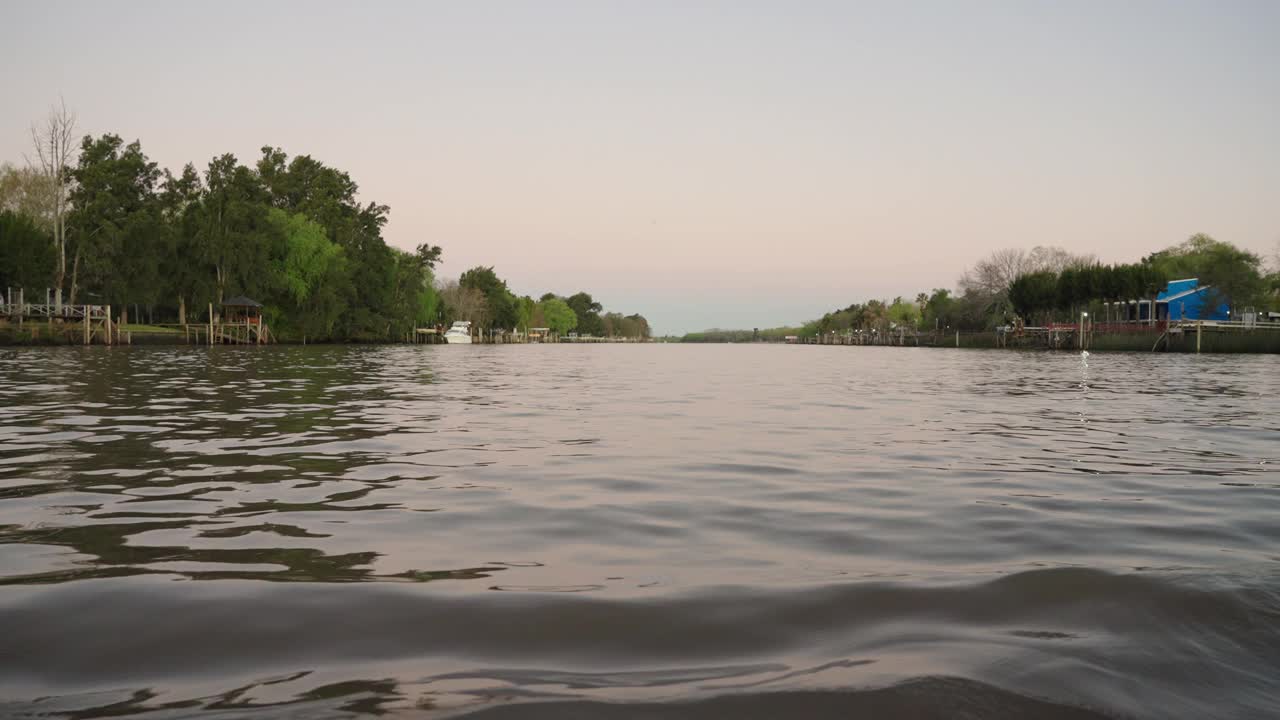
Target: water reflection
621	518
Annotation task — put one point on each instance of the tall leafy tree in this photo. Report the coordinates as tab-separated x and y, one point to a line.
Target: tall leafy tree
188	278
558	315
310	273
115	224
904	313
1234	276
27	257
502	313
234	232
587	310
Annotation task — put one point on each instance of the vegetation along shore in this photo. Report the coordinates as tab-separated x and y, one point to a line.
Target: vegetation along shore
1048	297
91	221
93	231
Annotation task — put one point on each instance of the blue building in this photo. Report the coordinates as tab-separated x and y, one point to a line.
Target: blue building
1188	300
1180	300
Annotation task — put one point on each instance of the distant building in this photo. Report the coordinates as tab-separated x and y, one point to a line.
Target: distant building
1188	300
1183	299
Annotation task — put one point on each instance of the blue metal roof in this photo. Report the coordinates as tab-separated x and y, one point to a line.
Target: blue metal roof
1187	300
1178	287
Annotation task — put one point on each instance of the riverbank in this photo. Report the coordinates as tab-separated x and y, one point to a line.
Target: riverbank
751	513
46	335
1186	338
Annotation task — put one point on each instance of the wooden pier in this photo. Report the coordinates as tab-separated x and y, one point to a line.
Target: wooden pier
241	323
85	324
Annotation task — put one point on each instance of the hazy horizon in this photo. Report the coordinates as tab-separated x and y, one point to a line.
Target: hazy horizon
710	165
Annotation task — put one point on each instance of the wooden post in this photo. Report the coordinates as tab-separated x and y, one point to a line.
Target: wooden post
210	323
86	324
957	338
106	323
1199	325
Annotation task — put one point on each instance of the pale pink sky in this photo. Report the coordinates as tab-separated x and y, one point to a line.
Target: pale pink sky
712	163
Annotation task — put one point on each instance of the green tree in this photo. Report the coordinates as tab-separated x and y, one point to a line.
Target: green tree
378	278
502	312
27	257
939	309
587	311
114	224
235	236
904	313
1034	294
309	272
524	312
1234	276
186	276
641	325
560	318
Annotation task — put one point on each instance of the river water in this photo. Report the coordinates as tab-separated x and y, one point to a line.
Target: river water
638	531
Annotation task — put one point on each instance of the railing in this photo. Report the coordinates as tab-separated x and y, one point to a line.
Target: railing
29	310
1228	324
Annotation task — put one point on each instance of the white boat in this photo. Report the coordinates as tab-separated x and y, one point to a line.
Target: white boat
459	333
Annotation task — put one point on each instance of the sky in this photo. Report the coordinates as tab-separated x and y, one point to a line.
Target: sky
707	164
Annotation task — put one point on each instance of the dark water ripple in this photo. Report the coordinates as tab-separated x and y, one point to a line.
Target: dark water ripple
656	531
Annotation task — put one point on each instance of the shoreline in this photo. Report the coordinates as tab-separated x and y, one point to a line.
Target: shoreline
1259	343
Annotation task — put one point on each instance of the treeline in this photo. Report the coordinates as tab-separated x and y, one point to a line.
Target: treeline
483	298
287	232
1047	295
1043	284
95	218
1233	276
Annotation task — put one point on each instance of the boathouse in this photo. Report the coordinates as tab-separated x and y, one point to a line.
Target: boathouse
241	322
1184	299
1189	300
241	309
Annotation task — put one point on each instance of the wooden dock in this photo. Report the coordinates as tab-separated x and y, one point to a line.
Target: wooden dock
85	324
96	325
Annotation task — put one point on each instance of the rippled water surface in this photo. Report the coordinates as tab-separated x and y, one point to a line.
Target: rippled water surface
637	531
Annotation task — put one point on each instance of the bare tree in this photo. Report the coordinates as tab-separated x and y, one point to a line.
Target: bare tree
1055	259
464	303
994	274
54	139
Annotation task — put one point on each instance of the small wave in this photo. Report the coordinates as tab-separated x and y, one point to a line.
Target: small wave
1036	633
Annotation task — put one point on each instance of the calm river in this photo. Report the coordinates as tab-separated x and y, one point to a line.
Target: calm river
570	531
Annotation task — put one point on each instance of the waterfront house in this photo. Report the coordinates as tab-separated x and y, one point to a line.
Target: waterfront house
1184	299
1189	300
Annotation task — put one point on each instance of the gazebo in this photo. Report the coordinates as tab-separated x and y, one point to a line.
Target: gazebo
242	321
241	309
